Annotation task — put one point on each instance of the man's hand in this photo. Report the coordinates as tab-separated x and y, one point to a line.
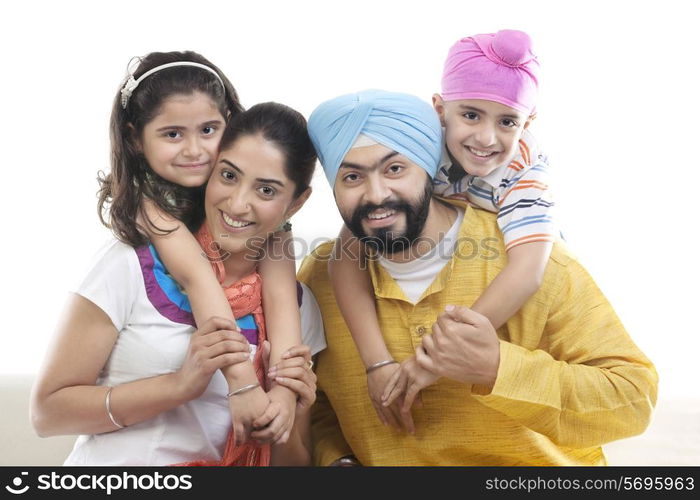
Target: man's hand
463	347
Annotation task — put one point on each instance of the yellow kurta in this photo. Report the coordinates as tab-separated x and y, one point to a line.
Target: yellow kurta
570	378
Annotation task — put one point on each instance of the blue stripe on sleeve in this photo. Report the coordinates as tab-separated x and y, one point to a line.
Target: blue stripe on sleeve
526	221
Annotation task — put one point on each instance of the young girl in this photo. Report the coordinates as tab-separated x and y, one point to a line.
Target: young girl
487	102
166	125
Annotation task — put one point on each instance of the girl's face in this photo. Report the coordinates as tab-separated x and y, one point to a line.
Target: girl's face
480	135
249	194
181	142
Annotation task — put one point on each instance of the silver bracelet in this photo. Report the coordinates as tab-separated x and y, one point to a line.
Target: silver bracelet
243	389
346	461
109	409
373	367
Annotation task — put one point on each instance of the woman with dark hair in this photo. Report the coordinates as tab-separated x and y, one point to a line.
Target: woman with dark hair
129	372
167	120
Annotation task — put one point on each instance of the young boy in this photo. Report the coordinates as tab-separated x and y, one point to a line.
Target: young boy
489	91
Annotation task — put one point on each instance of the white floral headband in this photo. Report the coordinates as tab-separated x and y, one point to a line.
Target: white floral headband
131	83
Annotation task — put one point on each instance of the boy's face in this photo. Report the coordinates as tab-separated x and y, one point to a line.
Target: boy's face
480	135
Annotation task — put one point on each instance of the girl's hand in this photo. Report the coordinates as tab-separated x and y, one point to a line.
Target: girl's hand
275	425
246	409
216	346
407	382
213	346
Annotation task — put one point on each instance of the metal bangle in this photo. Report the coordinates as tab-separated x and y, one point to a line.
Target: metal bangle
243	389
109	409
373	367
346	461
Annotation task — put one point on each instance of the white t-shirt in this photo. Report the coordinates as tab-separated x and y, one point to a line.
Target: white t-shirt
155	323
415	276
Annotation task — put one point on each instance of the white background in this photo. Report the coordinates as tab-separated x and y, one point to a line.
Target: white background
618	117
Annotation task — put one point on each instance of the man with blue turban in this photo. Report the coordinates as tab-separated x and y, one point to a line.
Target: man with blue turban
345	129
401	122
559	379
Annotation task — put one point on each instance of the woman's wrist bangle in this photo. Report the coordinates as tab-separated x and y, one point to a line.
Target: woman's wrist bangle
109	409
373	367
243	389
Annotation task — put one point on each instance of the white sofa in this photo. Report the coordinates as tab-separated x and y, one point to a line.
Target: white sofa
673	438
19	443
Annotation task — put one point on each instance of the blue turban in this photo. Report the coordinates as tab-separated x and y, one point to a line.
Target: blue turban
402	122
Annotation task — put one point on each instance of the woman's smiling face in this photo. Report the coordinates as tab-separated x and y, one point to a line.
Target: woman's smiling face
249	194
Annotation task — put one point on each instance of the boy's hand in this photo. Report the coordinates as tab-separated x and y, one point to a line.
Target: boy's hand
376	384
407	382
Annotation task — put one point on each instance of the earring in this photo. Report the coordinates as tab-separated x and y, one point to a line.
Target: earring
285	227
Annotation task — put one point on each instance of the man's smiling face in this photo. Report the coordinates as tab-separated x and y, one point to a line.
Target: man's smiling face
383	197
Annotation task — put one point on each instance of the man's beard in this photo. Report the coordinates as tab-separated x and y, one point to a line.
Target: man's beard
385	240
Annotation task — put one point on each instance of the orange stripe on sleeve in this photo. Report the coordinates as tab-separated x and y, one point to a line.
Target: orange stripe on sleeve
532	238
525	152
524	185
517	166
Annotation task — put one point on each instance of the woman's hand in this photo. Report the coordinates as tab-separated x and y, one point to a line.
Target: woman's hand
213	346
294	372
293	377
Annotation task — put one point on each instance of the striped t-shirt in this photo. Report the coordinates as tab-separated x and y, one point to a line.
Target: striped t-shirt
518	192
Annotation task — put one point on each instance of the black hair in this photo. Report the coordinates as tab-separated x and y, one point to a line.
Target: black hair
286	128
131	178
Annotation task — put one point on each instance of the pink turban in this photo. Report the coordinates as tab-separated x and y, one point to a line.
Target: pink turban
496	67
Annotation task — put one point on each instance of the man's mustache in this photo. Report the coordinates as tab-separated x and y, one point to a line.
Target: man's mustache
366	209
